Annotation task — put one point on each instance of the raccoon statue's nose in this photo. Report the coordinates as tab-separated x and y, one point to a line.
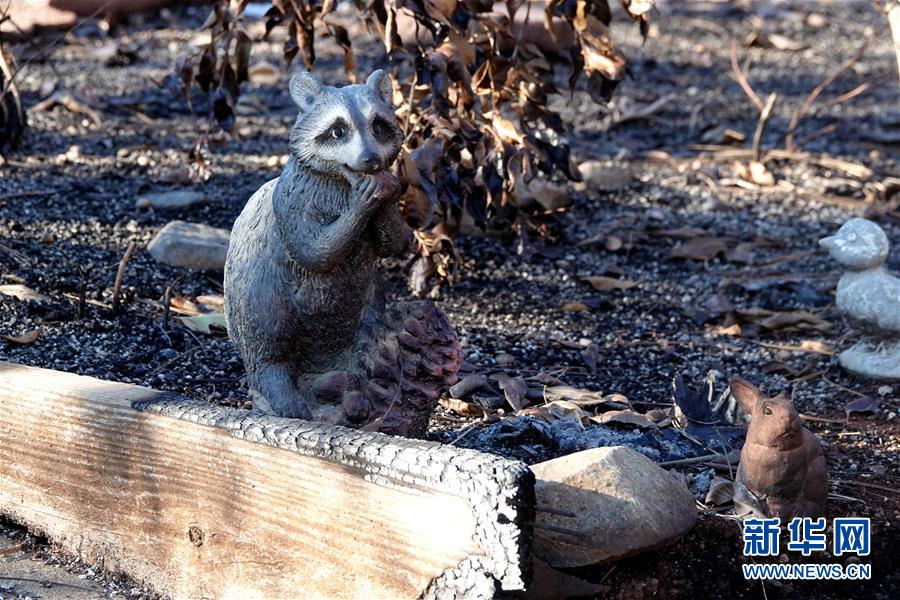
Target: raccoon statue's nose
371	163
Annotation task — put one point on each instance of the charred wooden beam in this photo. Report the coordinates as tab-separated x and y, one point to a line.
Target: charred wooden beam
197	500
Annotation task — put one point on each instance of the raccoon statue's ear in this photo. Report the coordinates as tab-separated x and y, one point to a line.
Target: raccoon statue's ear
305	87
380	83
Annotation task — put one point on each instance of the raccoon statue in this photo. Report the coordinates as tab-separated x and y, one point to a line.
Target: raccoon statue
303	296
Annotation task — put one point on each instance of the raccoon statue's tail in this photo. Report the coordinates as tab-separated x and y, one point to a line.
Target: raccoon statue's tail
12	116
401	363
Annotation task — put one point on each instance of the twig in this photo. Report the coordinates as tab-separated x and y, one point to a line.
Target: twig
16	255
725	152
734	454
848	96
172	361
742	79
15	195
11	548
167	301
764	116
846	389
85	271
866	484
815	134
409	101
807	104
120	275
465	432
815	419
522	29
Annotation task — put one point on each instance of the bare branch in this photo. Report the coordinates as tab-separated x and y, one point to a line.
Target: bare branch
764	116
742	79
807	104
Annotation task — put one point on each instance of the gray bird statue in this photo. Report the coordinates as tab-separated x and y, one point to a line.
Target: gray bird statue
870	295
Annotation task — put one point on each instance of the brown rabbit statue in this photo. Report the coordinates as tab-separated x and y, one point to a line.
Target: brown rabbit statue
782	468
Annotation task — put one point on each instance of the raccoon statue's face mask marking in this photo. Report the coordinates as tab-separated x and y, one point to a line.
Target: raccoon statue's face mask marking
350	128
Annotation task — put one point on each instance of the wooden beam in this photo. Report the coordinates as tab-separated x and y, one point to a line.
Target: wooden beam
198	501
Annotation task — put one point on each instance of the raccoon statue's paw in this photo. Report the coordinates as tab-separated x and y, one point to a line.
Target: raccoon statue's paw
374	189
387	186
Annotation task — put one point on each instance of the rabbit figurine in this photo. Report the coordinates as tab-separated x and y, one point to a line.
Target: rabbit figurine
782	469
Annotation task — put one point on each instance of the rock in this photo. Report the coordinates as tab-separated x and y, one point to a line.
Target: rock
171	200
873	361
600	177
190	245
548	194
623	504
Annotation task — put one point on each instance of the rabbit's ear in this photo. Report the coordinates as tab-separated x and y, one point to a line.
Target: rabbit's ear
745	393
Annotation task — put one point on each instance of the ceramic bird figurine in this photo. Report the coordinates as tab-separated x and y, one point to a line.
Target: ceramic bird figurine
782	469
870	295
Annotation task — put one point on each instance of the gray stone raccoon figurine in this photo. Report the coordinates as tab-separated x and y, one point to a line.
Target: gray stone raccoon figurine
302	292
782	468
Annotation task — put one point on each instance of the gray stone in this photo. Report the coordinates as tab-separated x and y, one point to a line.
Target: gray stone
171	200
873	361
600	177
191	246
623	504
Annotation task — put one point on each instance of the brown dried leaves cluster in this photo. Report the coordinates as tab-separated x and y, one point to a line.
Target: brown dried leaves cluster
472	83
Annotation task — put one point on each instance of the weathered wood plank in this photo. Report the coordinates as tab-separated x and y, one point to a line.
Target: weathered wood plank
203	502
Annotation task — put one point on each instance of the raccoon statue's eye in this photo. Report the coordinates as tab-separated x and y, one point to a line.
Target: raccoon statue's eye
378	128
337	132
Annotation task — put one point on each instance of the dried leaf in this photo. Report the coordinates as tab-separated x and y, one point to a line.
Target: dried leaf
507	131
575	307
625	417
514	389
579	397
24	339
468	384
212	302
721	491
795	319
24	293
865	404
567	411
461	407
184	306
733	330
591	356
606	284
204	322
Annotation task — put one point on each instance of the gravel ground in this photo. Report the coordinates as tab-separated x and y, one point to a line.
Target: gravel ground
63	208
